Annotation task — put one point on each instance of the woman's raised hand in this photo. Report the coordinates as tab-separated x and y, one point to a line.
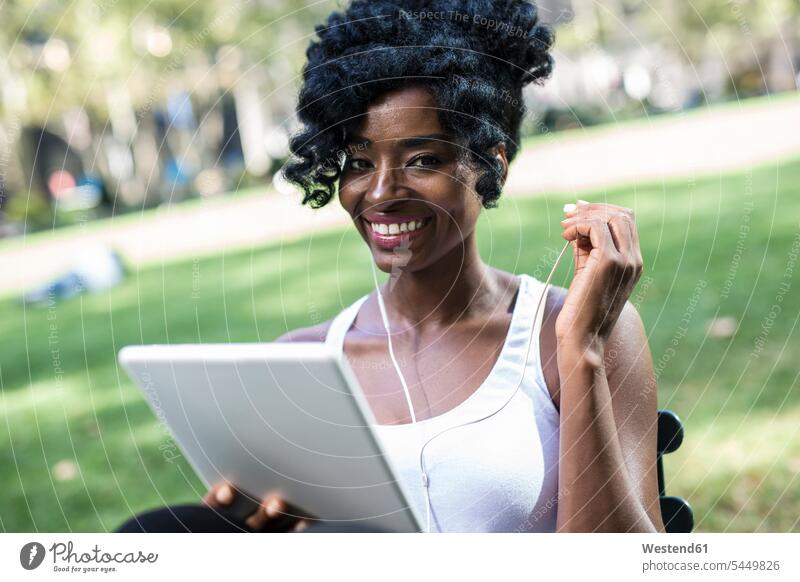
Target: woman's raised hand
608	263
273	514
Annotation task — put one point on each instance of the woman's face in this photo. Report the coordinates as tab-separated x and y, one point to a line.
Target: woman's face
411	197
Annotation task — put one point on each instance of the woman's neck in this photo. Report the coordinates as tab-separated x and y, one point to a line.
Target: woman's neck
458	286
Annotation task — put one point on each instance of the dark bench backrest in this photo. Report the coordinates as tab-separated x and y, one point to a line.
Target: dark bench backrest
676	512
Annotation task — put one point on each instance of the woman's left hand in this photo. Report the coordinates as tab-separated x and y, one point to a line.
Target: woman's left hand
608	263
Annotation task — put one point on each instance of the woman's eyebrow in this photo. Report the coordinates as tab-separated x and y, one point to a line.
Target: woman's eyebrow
404	142
356	141
415	141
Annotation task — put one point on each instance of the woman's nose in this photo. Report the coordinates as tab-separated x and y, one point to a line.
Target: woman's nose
385	183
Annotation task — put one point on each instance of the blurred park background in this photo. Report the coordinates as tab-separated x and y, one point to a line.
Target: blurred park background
138	147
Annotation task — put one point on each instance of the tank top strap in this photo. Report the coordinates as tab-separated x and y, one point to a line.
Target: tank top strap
523	345
522	322
341	324
534	291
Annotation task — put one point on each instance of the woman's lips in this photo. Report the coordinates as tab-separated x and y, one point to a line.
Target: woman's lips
394	240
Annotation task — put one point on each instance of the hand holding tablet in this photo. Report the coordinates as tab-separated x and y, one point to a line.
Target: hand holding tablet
284	420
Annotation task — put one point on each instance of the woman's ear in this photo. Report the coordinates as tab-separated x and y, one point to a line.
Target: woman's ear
500	154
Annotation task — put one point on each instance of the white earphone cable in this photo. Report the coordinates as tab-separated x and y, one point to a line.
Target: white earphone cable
385	318
382	307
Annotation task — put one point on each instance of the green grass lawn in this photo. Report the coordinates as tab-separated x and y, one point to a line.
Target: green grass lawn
65	401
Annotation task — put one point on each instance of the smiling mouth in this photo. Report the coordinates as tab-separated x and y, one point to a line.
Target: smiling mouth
395	234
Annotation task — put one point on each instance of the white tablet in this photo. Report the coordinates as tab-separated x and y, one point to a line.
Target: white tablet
286	417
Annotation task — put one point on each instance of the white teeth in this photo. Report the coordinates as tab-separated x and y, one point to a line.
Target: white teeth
396	228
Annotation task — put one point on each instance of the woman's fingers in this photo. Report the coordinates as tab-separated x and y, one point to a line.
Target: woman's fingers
609	229
220	495
584	206
593	229
301	525
621	233
619	220
275	514
270	509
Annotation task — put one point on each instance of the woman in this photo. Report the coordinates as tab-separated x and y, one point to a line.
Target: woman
411	114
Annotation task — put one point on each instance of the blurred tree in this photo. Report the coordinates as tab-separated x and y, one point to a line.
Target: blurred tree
68	53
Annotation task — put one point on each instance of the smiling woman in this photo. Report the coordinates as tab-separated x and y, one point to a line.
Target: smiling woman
413	121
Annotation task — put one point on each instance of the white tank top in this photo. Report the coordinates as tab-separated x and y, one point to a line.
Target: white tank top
499	474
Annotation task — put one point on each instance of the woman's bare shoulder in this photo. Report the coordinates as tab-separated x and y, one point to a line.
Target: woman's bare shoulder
314	333
627	350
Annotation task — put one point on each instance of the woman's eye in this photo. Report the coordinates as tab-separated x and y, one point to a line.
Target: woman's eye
426	161
358	164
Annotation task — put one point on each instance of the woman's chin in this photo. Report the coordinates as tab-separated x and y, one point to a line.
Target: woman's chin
389	261
383	260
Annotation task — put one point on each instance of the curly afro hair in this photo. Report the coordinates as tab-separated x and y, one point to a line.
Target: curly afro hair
475	57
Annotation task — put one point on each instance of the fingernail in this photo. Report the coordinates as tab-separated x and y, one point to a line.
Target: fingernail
224	494
582	202
569	207
272	508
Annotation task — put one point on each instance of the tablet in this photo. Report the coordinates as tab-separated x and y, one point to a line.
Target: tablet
285	417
